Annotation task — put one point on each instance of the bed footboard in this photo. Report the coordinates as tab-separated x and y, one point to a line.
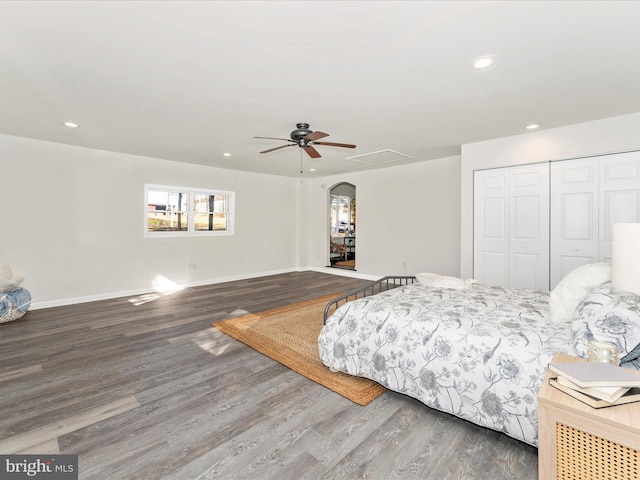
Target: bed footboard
377	286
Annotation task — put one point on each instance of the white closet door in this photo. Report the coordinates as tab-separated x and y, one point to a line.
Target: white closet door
574	216
619	195
511	226
529	227
490	216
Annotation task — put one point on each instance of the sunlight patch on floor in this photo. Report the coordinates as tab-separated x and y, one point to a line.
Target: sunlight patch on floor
162	286
209	341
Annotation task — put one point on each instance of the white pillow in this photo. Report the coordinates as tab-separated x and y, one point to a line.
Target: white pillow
574	287
9	281
443	281
607	314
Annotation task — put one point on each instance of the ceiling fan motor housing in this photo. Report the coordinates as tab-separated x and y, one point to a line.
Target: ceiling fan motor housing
302	130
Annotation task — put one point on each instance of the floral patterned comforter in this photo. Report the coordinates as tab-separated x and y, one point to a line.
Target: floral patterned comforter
479	353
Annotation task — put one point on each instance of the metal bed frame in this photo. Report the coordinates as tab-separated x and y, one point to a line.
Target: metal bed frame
377	286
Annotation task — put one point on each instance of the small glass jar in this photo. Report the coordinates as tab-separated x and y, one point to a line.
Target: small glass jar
603	352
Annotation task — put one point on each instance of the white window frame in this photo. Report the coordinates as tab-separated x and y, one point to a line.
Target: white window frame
191	232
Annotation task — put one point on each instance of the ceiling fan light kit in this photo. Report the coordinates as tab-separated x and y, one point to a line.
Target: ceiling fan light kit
305	138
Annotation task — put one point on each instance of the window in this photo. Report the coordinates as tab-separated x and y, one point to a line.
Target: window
179	211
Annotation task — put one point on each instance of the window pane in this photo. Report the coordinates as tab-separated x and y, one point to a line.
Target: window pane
210	203
201	202
211	212
220	204
168	201
210	221
168	222
167	211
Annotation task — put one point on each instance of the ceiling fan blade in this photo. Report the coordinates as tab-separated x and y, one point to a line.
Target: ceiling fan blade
278	148
332	144
273	138
313	153
315	136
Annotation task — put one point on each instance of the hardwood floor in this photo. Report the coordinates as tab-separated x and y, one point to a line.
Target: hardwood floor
145	388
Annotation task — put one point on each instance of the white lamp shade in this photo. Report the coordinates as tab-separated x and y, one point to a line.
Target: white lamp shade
625	257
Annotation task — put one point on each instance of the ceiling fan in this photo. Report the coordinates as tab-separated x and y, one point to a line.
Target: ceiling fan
305	139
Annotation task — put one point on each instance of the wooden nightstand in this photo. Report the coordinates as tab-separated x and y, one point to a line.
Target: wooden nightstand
576	441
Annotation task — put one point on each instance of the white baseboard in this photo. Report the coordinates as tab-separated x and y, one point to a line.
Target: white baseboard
343	272
35	305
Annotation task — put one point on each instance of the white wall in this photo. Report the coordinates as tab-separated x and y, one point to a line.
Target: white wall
611	135
407	219
73	223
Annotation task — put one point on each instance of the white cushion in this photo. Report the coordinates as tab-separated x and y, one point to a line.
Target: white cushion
443	281
608	315
9	281
574	287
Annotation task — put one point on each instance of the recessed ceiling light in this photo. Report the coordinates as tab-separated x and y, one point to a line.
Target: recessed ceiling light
71	124
312	169
533	126
226	154
484	62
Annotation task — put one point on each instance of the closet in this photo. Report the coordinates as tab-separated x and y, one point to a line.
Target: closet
511	226
533	224
587	197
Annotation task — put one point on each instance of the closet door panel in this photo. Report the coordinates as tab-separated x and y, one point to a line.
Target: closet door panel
619	200
492	268
529	227
574	216
577	212
490	227
526	272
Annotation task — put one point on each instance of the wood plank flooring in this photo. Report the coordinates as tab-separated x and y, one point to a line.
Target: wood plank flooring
144	388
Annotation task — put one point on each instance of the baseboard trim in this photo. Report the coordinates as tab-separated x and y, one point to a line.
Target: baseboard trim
343	273
144	291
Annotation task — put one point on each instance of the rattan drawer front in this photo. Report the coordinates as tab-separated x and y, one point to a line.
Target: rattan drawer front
582	456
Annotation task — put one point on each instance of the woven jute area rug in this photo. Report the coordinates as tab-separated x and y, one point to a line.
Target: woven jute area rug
289	335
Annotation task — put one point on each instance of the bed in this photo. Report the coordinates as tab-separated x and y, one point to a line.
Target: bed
478	352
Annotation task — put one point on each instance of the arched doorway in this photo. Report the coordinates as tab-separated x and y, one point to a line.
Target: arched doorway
342	226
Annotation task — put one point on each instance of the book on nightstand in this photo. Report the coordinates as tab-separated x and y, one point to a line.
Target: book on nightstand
610	394
629	396
592	374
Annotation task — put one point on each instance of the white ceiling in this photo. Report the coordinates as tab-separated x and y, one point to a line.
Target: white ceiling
188	81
